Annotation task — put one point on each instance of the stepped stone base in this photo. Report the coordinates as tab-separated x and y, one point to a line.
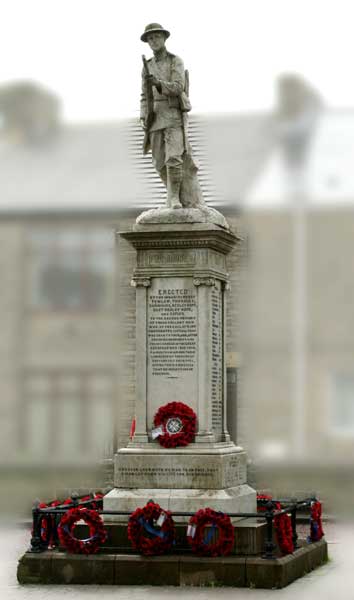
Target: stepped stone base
240	498
128	569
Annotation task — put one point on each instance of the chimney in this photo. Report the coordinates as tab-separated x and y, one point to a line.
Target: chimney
28	112
298	107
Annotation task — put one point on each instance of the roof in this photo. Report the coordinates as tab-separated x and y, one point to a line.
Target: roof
100	166
324	179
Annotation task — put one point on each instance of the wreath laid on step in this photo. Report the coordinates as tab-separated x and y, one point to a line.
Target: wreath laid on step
210	533
175	425
48	525
48	522
97	532
284	531
316	531
151	529
262	501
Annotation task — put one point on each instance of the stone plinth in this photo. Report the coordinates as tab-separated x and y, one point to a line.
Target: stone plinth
181	285
189	468
53	567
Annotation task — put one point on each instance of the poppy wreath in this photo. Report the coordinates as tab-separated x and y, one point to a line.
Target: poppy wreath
48	525
95	501
316	531
282	524
177	422
98	534
284	531
151	529
202	544
262	500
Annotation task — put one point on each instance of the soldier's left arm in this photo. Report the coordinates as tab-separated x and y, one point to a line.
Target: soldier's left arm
175	86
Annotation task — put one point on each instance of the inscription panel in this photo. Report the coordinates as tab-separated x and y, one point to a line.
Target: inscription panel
172	334
217	360
236	470
180	471
151	258
217	260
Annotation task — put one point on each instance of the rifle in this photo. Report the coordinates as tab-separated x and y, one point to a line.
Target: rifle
185	106
150	107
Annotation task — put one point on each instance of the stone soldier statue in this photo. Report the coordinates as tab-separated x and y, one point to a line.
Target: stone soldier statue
164	108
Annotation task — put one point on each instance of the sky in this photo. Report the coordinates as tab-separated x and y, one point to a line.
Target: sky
89	51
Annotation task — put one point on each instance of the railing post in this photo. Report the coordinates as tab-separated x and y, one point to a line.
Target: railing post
55	518
269	546
293	526
36	540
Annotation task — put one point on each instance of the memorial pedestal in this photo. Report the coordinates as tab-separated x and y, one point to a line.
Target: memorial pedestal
181	288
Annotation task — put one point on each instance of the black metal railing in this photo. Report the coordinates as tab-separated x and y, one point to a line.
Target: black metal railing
40	543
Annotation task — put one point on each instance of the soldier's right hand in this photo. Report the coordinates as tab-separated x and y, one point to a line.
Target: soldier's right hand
142	123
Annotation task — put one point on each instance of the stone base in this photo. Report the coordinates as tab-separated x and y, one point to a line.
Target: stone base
216	467
128	569
203	214
241	498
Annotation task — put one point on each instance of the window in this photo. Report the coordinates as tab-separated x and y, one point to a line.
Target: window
71	269
68	415
342	404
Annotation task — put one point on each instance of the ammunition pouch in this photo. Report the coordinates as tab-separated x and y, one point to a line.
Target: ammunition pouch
184	102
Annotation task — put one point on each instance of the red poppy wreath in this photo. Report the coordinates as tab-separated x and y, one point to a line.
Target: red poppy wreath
202	530
316	530
75	545
47	525
151	529
284	531
175	425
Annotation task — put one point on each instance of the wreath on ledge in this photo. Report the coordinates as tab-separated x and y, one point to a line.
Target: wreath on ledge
284	531
151	529
210	533
66	527
175	425
316	531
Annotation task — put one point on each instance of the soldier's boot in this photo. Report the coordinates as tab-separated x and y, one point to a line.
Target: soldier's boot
174	180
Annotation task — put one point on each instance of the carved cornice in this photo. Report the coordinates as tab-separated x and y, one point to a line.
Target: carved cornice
219	240
145	245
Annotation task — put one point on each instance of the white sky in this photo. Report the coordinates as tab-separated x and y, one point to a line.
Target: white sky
89	51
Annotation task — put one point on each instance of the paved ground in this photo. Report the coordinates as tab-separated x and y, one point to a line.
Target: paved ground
333	581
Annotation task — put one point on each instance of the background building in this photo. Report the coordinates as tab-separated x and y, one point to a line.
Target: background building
67	371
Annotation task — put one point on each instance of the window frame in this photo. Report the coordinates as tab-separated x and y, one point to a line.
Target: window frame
86	251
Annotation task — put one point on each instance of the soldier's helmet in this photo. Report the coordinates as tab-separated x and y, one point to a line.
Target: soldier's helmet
152	27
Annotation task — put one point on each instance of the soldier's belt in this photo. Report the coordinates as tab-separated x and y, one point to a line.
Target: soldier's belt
172	101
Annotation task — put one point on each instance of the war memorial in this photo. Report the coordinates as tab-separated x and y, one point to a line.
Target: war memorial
181	511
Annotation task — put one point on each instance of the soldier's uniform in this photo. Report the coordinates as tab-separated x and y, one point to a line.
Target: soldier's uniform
166	132
168	142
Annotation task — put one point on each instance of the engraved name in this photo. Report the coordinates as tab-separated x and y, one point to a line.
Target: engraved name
172	331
